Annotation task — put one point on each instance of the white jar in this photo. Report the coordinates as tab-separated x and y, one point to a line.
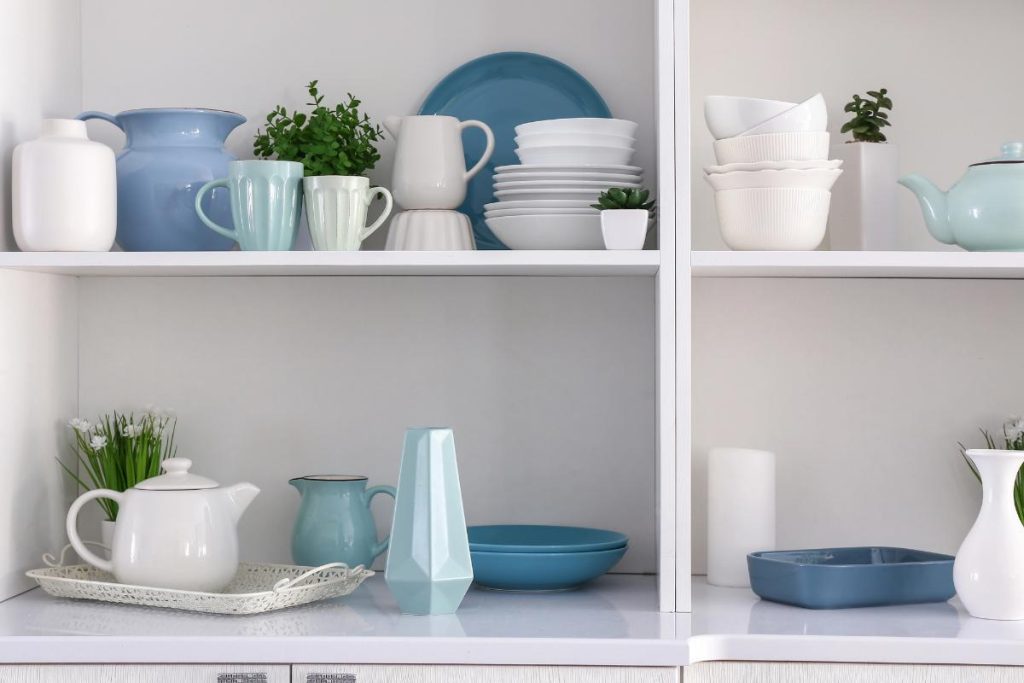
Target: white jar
64	191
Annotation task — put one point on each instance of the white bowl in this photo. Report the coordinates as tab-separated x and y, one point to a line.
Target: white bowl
569	168
815	178
495	213
810	116
772	147
541	194
773	219
540	205
573	140
548	232
560	156
776	166
585	125
563	175
560	185
729	116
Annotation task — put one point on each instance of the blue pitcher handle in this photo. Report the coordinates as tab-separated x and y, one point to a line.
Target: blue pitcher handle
86	115
368	495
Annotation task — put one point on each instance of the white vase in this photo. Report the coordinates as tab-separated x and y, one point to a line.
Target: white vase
989	568
64	191
864	199
624	229
741	511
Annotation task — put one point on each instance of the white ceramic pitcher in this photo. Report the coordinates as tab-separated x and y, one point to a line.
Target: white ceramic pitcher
430	164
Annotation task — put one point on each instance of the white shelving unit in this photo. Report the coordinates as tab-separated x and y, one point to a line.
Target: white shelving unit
858	264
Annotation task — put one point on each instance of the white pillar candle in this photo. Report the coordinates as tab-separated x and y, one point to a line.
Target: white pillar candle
741	511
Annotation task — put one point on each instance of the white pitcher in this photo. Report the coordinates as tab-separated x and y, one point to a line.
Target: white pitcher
430	164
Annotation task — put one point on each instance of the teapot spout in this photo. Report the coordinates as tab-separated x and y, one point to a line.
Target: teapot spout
933	206
239	496
394	125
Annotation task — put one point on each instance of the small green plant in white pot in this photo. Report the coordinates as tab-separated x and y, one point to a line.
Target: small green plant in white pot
625	214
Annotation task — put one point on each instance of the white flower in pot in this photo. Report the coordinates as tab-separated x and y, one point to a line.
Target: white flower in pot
625	215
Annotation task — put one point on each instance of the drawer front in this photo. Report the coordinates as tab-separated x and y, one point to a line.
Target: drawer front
325	673
146	673
772	672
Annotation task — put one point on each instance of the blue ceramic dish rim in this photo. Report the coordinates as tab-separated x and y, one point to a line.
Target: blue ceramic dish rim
620	540
584	553
764	556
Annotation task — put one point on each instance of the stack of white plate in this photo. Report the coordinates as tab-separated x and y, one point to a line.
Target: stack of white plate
546	203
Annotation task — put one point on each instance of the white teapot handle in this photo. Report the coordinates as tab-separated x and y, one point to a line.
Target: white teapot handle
72	525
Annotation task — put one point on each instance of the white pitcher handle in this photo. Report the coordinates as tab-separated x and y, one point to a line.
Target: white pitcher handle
488	151
72	526
389	202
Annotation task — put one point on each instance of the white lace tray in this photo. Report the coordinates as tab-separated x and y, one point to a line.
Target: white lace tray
256	588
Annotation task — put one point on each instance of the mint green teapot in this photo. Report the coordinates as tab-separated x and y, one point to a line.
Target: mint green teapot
984	210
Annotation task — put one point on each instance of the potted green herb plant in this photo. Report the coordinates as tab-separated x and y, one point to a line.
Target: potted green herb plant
625	215
864	200
337	147
117	452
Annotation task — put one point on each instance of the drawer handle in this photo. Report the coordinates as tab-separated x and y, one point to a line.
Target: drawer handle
331	678
242	678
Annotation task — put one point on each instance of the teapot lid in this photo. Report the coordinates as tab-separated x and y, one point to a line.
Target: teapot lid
1012	153
177	478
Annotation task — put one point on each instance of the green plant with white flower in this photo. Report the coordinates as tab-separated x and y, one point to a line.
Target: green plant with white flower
119	451
1012	440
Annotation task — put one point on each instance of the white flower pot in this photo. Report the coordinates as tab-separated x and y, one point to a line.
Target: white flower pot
107	536
624	229
864	199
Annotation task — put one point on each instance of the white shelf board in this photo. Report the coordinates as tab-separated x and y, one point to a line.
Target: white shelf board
858	264
310	263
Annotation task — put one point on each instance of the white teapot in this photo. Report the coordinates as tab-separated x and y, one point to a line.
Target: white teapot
177	530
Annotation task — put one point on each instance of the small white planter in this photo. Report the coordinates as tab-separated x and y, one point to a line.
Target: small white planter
864	199
624	229
107	536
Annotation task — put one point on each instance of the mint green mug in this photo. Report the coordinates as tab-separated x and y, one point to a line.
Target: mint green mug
266	201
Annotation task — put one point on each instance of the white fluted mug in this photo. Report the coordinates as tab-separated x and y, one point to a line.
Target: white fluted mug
336	208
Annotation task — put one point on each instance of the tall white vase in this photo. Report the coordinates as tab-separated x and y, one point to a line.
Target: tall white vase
864	215
989	568
741	511
64	191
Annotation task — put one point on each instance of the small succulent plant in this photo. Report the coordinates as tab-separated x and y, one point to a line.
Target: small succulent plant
868	118
624	198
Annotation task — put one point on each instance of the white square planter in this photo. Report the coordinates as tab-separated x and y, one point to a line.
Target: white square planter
864	199
624	229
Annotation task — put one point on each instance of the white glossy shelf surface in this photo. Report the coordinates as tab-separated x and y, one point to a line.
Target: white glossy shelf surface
858	264
299	263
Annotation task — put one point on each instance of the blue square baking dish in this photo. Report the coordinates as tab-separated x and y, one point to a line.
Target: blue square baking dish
837	578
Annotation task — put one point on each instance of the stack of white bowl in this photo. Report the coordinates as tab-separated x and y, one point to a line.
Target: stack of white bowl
774	179
546	201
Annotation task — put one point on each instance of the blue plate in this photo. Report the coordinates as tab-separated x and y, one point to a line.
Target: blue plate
833	578
536	538
504	90
541	571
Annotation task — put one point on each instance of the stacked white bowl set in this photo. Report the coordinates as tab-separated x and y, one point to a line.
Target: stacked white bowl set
774	179
546	202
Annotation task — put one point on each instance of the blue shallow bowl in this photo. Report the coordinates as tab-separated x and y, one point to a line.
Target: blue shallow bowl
539	538
834	578
541	571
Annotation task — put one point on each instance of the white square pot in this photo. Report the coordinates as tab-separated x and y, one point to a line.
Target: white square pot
864	199
624	229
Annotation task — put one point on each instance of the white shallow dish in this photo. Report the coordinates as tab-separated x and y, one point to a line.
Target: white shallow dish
565	175
256	588
772	147
548	232
776	166
542	194
495	213
727	117
540	204
814	178
810	116
560	184
565	155
619	127
573	140
773	219
569	168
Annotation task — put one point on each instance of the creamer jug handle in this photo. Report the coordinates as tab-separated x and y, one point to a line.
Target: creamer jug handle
488	150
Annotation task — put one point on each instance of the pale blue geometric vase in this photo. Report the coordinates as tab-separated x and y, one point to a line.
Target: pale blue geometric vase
429	569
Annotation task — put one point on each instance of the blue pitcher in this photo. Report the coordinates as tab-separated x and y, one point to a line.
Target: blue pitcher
168	155
335	523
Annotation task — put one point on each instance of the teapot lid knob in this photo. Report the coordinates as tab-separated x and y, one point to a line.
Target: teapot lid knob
177	478
1013	150
176	466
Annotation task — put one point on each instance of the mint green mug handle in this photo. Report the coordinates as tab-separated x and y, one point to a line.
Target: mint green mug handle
368	495
220	182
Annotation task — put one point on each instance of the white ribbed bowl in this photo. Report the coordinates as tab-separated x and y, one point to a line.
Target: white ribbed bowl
773	219
812	178
772	147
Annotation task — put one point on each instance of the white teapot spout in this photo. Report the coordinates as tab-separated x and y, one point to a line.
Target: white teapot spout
239	496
